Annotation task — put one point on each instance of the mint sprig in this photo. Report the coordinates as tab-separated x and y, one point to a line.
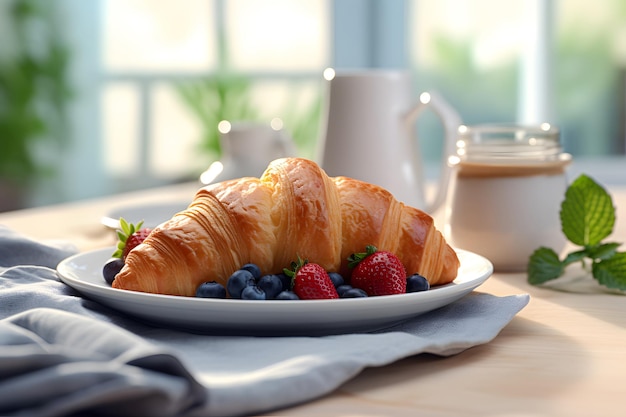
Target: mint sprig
587	218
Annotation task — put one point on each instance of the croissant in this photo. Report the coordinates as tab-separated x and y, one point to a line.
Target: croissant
294	210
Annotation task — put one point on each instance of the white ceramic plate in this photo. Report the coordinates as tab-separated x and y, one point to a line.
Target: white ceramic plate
83	272
151	214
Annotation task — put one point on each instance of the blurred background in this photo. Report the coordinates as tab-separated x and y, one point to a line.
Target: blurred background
107	96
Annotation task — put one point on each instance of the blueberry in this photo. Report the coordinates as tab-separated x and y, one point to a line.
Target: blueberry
336	278
354	293
252	293
211	289
343	288
271	285
416	283
111	269
239	280
254	269
286	280
287	295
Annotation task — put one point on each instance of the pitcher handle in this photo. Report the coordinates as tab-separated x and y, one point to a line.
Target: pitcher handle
451	121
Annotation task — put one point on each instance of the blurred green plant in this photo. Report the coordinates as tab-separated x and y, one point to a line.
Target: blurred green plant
303	124
228	96
34	90
585	83
224	96
587	91
477	92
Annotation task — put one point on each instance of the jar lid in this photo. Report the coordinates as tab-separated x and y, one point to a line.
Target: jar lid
502	142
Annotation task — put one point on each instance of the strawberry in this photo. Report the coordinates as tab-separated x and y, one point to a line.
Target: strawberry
310	281
377	272
130	236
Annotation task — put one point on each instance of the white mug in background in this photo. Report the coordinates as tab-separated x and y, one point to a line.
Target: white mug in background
369	132
247	149
508	183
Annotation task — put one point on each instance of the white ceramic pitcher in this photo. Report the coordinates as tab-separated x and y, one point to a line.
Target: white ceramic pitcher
369	133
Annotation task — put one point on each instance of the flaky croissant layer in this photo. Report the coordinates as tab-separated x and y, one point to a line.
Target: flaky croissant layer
294	210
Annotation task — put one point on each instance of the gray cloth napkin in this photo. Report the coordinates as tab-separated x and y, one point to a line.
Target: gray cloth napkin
62	354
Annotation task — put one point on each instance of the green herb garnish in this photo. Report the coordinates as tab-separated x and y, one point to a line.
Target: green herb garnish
125	231
587	218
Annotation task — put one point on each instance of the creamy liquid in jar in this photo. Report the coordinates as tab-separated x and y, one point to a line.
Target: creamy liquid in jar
504	205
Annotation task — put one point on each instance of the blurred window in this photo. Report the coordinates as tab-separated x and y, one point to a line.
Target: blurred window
164	66
158	36
158	59
560	61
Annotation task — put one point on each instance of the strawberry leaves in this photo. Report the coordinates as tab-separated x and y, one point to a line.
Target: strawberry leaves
125	231
356	258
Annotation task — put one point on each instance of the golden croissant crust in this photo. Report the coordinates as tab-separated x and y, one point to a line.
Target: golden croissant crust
294	210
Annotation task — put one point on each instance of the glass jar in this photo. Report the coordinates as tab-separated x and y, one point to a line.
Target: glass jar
508	183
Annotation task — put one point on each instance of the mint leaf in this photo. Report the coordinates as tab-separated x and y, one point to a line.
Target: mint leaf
572	257
587	217
603	251
587	213
611	272
544	265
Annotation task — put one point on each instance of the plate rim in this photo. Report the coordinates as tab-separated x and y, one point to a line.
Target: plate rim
112	297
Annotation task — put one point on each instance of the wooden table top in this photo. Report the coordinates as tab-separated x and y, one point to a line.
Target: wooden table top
562	355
